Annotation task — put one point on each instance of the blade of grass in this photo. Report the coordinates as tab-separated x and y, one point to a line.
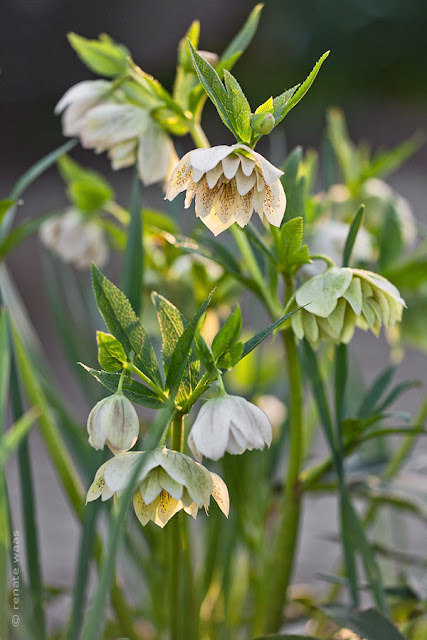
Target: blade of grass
29	510
132	277
4	502
356	223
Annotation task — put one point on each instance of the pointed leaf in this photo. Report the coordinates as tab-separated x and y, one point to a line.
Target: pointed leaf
102	56
241	41
111	355
238	108
369	624
228	334
124	324
135	391
261	335
356	223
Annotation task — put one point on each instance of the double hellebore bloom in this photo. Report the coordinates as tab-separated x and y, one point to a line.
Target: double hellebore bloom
228	184
168	481
228	423
341	299
113	421
75	239
106	122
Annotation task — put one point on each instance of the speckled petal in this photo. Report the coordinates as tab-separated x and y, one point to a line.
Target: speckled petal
274	204
197	175
98	484
220	494
166	509
206	197
144	512
245	208
180	178
270	173
258	200
226	205
214	224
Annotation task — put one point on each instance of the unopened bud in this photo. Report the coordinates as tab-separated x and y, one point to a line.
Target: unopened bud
113	422
210	57
263	123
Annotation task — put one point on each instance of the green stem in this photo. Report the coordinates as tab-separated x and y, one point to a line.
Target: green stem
284	550
199	136
120	385
128	366
176	546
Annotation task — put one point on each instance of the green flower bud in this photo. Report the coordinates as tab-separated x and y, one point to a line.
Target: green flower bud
341	299
263	123
113	422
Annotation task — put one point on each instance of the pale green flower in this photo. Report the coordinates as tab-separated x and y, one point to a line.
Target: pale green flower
341	299
114	422
228	184
75	239
77	101
168	481
228	423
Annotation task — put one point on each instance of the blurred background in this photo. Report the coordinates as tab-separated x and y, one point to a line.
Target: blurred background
375	73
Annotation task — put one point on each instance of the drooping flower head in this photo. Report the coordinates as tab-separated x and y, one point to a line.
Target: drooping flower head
228	184
75	239
114	422
228	423
341	299
105	121
168	481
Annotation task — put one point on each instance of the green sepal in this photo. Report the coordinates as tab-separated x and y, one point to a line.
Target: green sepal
228	335
111	355
102	56
291	254
124	324
135	391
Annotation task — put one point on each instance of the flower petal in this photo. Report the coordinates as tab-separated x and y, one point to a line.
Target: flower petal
188	473
150	487
248	165
166	509
98	484
109	124
213	175
320	294
154	155
118	472
214	224
209	433
207	159
170	485
274	204
270	173
144	512
244	183
86	90
180	178
230	164
245	209
220	494
123	154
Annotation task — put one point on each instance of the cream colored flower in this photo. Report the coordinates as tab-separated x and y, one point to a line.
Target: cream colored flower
76	102
114	422
228	423
168	481
228	184
75	239
341	299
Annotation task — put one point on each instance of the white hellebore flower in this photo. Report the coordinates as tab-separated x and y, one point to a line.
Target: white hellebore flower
75	239
228	423
229	183
113	421
167	482
76	102
130	135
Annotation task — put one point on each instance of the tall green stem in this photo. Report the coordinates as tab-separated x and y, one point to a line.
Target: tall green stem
284	550
176	545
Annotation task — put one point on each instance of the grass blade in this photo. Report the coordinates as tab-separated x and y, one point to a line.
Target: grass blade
356	223
4	502
132	277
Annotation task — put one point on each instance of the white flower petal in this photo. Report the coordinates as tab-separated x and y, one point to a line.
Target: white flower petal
109	124
154	155
206	197
220	494
320	294
209	433
86	90
270	173
186	472
248	165
245	208
214	224
191	192
213	175
123	154
244	183
230	164
180	178
98	484
207	159
274	204
174	488
119	470
226	205
150	487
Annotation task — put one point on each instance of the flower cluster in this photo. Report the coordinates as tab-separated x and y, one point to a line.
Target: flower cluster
341	299
105	121
75	239
167	482
228	184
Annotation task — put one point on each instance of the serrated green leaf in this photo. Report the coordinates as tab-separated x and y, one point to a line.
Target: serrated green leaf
291	254
102	56
266	107
135	391
124	324
369	624
172	325
231	357
281	102
228	334
243	38
356	223
302	89
181	353
212	85
111	355
238	108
